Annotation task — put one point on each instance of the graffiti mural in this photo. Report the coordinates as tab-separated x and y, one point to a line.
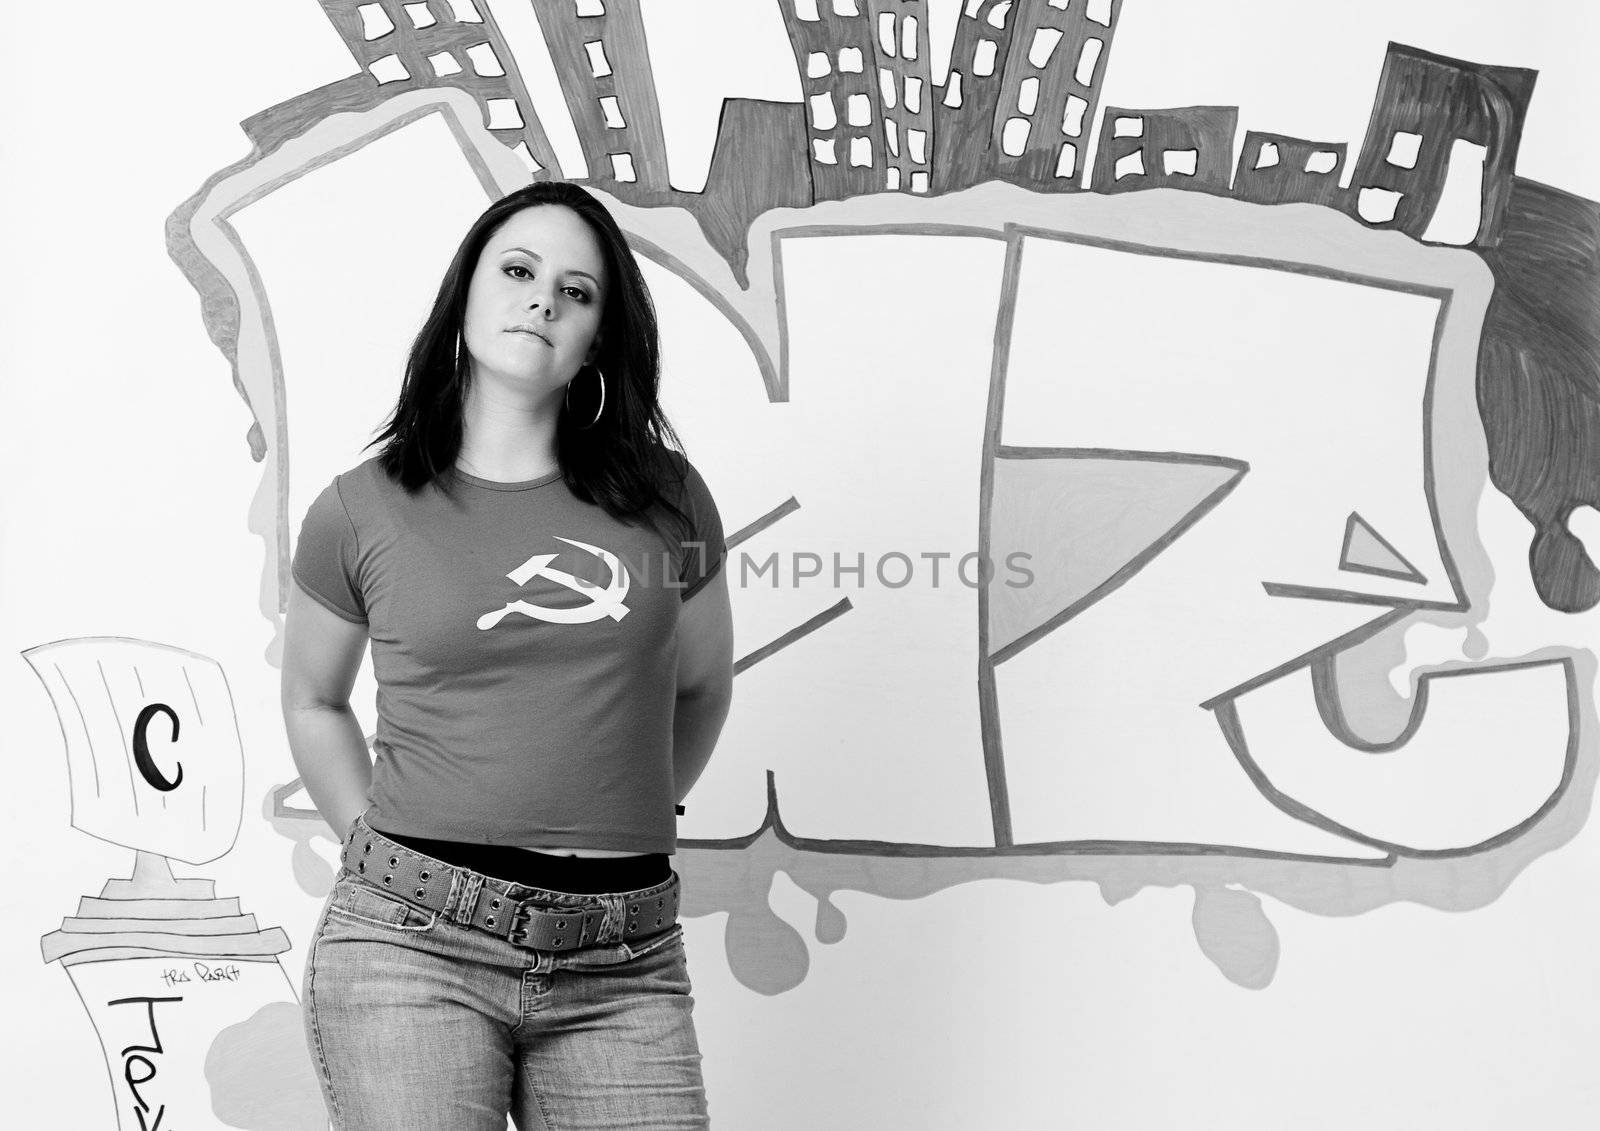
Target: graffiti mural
1208	441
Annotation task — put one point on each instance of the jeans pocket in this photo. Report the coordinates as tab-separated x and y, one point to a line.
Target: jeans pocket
672	936
618	956
354	898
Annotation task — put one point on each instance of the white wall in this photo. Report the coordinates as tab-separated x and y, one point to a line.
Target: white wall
993	1003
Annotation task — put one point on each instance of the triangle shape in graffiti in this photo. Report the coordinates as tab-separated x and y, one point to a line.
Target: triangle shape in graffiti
1367	551
1088	519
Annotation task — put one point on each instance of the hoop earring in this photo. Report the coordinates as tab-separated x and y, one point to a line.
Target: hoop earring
567	400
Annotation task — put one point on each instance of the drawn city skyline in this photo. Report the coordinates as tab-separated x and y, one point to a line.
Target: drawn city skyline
1018	102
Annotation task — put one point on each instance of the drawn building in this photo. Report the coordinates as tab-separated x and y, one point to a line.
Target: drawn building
1020	96
832	41
600	56
1189	147
963	116
1049	89
905	81
757	163
407	45
1278	169
1441	145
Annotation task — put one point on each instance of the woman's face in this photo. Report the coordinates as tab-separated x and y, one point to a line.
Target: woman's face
535	299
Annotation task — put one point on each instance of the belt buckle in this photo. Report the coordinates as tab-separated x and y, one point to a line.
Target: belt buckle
524	910
517	936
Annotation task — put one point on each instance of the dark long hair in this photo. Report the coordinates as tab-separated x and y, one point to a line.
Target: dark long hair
623	461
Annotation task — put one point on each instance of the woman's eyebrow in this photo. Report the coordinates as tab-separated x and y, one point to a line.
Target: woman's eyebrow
537	258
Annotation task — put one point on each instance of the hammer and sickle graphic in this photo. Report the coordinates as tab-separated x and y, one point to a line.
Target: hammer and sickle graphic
604	600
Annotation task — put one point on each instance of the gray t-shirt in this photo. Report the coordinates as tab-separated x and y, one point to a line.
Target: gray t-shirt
524	645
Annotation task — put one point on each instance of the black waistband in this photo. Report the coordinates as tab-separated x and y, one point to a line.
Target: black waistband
582	875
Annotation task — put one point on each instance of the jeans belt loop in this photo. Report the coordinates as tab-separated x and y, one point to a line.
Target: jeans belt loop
465	887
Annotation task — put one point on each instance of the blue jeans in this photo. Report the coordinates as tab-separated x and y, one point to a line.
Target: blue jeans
419	1023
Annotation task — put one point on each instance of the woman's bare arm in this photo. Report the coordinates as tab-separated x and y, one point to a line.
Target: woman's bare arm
705	679
321	655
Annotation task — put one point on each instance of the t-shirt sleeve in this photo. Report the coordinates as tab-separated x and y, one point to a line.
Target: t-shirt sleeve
325	557
705	548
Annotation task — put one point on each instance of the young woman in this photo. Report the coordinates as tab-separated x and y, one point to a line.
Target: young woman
538	574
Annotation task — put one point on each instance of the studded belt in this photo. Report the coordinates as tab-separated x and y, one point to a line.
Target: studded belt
485	902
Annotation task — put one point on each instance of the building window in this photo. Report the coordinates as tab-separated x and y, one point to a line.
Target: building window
997	15
1131	165
983	57
952	89
1072	116
1028	95
886	87
861	151
919	181
1377	205
420	16
375	22
1043	45
892	183
822	150
612	113
891	134
622	167
503	114
1127	127
845	8
1180	162
1403	150
1458	214
444	63
599	67
389	69
586	8
1099	11
817	65
1267	155
1014	136
484	60
1322	161
528	159
1087	61
858	110
465	12
914	94
886	33
850	60
908	37
917	143
806	10
823	117
1067	162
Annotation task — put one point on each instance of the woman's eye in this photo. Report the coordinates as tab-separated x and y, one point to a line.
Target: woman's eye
519	271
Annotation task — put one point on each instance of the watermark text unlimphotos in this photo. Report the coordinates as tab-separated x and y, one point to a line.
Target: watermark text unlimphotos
892	569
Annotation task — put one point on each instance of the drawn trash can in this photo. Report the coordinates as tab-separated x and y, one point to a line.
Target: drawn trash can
162	965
